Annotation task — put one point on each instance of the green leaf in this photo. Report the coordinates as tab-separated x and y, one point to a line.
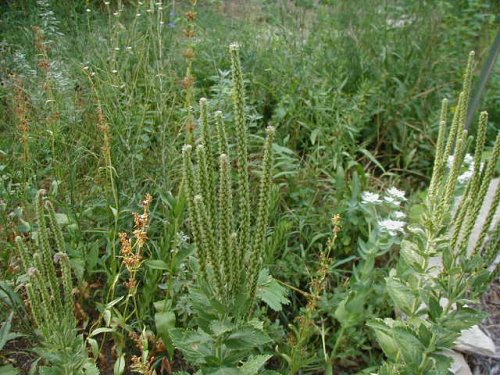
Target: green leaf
119	366
195	345
62	219
165	321
220	327
463	318
372	158
383	333
99	330
409	345
8	370
156	264
409	253
246	338
271	292
5	331
401	295
252	366
435	309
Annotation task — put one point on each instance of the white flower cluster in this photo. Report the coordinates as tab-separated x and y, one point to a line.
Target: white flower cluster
469	163
392	226
393	197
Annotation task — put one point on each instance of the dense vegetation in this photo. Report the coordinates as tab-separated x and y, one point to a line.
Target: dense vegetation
264	229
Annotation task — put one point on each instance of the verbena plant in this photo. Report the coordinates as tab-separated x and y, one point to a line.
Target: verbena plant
51	297
230	249
440	273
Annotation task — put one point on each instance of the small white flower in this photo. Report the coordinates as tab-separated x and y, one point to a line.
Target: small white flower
128	48
117	48
88	10
162	23
399	215
106	3
391	200
138	15
465	177
451	160
468	159
114	71
396	194
149	10
116	14
369	197
392	226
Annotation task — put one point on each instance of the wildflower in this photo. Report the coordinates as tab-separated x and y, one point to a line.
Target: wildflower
392	226
466	176
399	215
88	10
117	48
128	48
138	15
368	197
391	200
106	3
396	194
114	71
116	14
468	159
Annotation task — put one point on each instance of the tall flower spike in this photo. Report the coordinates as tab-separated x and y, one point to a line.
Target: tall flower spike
208	242
262	214
205	179
439	162
451	183
221	134
47	265
242	153
210	193
189	185
64	260
473	187
486	227
226	220
479	199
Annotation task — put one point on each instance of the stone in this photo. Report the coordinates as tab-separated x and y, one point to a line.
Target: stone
475	341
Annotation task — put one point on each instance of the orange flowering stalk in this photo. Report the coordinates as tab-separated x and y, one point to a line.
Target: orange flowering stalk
131	248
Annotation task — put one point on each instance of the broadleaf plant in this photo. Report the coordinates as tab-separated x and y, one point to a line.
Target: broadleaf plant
439	272
51	297
230	243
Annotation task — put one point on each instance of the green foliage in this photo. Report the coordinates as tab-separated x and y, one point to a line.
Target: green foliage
50	297
97	100
433	298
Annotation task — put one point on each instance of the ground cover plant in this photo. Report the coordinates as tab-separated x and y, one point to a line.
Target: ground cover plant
226	187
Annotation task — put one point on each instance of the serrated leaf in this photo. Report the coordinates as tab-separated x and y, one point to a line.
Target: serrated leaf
193	344
463	318
246	338
384	337
401	295
219	327
271	292
409	345
409	253
252	366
